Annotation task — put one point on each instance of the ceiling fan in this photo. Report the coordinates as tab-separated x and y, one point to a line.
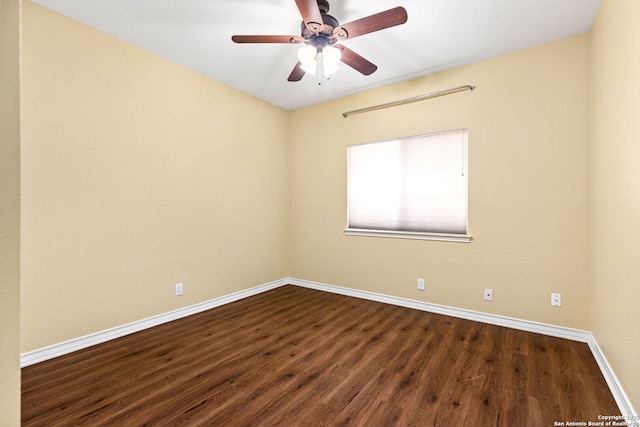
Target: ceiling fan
320	33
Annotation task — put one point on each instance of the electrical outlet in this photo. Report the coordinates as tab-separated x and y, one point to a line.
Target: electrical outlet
421	284
178	289
488	294
556	300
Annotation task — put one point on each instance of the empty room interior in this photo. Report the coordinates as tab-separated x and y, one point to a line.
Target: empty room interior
125	174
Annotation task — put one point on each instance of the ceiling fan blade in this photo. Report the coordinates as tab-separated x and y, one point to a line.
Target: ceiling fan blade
310	14
369	24
297	74
268	39
356	61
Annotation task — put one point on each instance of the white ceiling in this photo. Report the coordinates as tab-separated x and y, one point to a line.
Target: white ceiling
439	34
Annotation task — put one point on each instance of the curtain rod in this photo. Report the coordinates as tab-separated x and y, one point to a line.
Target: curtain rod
409	100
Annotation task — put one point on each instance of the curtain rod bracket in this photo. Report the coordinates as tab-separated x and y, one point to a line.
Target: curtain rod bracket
410	100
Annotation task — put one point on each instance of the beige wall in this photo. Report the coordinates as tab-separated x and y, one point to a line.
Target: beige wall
528	188
138	174
615	196
9	213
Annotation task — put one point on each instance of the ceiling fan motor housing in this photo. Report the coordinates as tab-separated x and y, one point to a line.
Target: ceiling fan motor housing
324	37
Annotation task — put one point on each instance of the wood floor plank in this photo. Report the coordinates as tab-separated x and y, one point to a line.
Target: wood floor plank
296	356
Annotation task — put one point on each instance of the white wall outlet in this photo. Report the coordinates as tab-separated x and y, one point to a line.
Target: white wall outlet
421	284
556	300
178	289
488	294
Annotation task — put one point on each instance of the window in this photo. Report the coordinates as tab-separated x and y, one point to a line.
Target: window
413	187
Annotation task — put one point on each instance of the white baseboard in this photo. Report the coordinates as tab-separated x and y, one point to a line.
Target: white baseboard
70	346
493	319
66	347
623	402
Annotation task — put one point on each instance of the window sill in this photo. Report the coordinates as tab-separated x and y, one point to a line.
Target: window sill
461	238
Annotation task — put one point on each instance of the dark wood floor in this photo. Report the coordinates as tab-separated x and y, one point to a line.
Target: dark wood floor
299	357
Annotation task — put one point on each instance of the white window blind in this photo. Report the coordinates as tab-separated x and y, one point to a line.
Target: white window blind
412	187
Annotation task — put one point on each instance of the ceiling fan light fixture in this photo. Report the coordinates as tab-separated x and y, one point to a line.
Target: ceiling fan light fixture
319	62
309	68
307	57
330	60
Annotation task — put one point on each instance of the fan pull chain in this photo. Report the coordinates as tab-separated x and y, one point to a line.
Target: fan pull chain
319	67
